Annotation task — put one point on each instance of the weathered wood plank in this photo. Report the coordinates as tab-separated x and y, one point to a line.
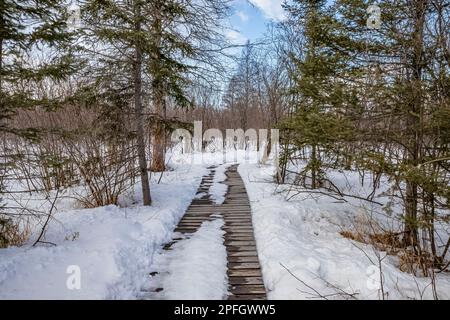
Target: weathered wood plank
241	248
244	273
242	253
239	243
248	297
234	281
243	259
243	265
239	237
195	219
238	223
248	289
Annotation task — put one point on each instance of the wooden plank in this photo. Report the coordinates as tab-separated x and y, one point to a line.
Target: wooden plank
207	205
243	231
237	219
237	197
241	248
186	231
247	221
247	297
244	273
243	259
239	237
205	209
240	243
229	238
186	222
240	232
245	225
233	281
236	225
236	213
204	215
243	265
242	253
189	225
248	289
238	228
195	219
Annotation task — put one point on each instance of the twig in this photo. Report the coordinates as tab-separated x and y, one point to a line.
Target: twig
303	282
47	220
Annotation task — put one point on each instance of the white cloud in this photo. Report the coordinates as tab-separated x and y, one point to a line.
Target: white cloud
271	8
236	37
242	16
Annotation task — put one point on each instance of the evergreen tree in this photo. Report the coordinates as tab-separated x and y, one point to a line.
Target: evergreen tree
148	39
390	86
175	58
115	32
318	122
404	89
26	27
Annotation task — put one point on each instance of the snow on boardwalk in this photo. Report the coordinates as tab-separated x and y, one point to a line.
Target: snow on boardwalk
206	221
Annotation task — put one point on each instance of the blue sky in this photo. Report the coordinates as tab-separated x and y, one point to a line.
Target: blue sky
251	16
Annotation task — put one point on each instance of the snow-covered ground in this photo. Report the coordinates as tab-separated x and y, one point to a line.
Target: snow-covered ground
114	249
111	247
303	255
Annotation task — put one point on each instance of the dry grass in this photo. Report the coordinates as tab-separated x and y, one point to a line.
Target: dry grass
416	263
13	233
386	241
367	231
352	235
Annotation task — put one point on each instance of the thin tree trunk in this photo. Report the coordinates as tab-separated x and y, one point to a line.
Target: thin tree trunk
414	121
158	141
314	167
137	77
159	146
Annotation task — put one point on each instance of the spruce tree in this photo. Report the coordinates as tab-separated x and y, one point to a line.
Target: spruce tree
391	84
26	27
176	40
405	67
115	33
318	123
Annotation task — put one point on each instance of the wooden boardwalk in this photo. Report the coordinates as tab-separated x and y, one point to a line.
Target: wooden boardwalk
244	272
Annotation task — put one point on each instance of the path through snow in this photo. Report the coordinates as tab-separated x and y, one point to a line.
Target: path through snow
194	268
